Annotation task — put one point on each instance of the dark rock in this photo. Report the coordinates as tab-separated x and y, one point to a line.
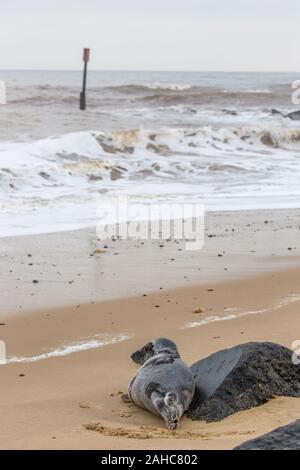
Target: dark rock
115	174
242	377
266	139
230	112
295	115
44	175
92	177
108	148
283	438
162	149
275	111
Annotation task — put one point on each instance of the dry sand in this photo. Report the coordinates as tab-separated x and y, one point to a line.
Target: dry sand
73	401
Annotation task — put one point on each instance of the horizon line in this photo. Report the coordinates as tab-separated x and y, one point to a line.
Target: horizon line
151	71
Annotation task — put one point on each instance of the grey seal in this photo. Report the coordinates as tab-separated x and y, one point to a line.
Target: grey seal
164	384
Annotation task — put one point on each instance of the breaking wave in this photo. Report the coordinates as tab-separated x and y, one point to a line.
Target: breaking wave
223	168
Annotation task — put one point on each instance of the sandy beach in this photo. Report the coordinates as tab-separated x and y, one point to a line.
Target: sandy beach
69	334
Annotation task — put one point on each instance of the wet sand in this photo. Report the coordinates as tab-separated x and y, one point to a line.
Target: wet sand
72	400
75	267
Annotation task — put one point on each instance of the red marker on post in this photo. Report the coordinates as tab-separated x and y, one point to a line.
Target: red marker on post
86	58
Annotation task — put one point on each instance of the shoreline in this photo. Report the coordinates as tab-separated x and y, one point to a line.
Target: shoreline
88	227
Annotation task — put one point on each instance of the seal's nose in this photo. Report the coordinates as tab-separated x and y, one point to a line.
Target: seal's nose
172	425
135	357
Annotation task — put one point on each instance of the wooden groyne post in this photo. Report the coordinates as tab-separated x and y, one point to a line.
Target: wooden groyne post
86	58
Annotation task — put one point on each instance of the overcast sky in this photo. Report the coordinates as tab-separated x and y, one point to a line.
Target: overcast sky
246	35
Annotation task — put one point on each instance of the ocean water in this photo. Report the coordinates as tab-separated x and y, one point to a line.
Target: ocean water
218	139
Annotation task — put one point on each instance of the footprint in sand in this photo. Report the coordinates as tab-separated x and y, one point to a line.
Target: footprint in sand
84	404
126	414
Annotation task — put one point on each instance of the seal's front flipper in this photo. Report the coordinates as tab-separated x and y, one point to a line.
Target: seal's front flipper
125	398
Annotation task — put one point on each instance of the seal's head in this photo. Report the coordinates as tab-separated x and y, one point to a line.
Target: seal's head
161	345
171	410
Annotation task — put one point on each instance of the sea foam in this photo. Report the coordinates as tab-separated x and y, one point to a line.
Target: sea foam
71	348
